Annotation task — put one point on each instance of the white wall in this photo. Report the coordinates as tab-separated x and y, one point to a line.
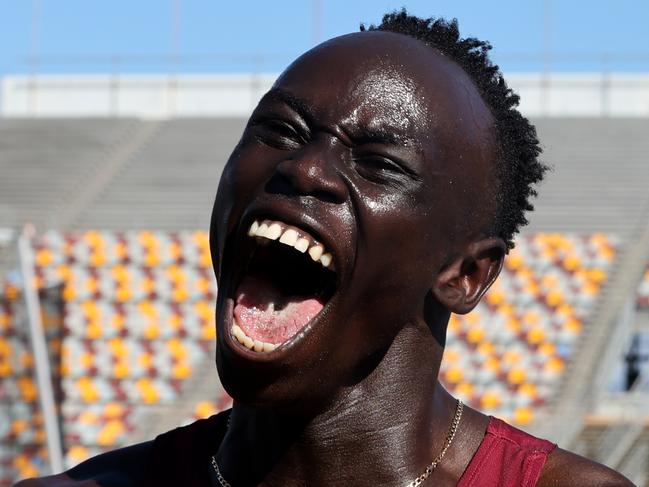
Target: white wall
158	96
147	96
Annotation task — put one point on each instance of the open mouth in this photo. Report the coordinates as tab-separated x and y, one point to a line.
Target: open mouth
289	278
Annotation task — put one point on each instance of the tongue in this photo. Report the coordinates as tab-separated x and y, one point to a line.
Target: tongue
265	313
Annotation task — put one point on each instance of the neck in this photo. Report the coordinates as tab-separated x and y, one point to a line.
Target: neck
384	430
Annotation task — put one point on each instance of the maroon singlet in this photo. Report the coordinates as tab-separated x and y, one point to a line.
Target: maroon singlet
507	456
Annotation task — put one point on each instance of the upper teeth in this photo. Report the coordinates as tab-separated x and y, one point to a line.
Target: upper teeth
293	237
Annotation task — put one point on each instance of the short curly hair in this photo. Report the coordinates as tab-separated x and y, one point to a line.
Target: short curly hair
518	168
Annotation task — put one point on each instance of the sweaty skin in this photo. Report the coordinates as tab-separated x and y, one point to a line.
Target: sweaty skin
384	148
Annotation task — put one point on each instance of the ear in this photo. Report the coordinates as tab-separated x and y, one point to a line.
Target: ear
460	286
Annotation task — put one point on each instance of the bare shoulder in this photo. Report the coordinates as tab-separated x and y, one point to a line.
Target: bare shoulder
564	469
118	468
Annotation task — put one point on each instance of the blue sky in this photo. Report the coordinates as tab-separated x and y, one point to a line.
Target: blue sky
138	36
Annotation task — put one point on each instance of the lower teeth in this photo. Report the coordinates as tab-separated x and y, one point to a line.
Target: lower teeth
246	341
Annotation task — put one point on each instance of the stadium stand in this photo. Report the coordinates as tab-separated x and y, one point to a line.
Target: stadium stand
22	437
44	162
136	355
139	317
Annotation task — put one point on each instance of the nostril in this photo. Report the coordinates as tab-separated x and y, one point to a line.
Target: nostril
308	177
280	184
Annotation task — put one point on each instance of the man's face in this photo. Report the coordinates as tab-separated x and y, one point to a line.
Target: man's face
372	148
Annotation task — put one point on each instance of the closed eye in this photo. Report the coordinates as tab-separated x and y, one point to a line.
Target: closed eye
277	133
379	168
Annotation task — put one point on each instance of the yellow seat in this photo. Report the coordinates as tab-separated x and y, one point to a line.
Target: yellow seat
44	258
152	257
148	392
527	389
554	365
513	325
118	348
495	297
492	364
148	309
145	360
535	335
554	298
88	418
176	348
113	410
97	257
475	335
597	275
547	349
453	323
175	251
87	390
208	331
27	388
451	356
571	263
514	260
516	375
123	292
590	288
205	409
506	309
490	400
454	374
151	331
201	239
94	330
19	426
523	415
573	325
77	454
120	250
5	321
121	370
486	348
205	259
6	370
511	357
203	285
69	291
108	435
180	294
147	285
181	371
464	389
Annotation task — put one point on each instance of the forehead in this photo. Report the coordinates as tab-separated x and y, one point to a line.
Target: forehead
389	82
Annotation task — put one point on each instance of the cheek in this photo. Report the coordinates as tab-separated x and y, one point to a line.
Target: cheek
397	251
247	170
249	166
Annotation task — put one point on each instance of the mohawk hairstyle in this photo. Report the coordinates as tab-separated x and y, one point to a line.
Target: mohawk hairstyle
518	167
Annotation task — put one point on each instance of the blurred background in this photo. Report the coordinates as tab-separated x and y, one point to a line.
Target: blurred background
116	119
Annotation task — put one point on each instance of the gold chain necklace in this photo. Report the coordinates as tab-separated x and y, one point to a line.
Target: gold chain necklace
419	480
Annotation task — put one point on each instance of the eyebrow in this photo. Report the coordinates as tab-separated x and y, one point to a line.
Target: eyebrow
367	135
358	135
288	98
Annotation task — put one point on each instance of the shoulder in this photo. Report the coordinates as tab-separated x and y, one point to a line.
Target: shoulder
566	469
119	468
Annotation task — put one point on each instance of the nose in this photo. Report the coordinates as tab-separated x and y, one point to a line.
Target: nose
312	173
